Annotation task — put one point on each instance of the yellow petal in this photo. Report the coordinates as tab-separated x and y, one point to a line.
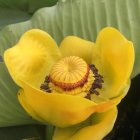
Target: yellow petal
96	128
32	57
115	60
105	104
75	46
58	109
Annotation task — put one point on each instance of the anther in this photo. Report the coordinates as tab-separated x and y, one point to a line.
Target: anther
47	80
45	86
96	92
88	96
97	84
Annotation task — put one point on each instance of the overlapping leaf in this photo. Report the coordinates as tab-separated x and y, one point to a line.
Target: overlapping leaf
13	11
11	113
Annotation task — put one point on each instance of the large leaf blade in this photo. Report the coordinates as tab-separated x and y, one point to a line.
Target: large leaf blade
11	112
16	11
9	16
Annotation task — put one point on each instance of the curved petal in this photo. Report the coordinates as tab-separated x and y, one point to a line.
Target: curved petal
58	109
32	57
105	104
96	128
115	60
75	46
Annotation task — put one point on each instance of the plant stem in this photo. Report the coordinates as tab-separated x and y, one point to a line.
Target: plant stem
49	132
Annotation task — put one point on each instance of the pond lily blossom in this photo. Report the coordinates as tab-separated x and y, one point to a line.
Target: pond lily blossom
76	85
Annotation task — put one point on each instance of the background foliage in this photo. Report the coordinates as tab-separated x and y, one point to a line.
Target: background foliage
13	11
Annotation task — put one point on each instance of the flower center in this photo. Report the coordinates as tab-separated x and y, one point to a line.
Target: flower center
72	75
69	73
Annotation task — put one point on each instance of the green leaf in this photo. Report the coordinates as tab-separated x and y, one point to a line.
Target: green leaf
13	11
12	16
29	6
25	132
11	112
84	18
1	58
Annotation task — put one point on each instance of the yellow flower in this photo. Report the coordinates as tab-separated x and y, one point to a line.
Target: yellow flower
66	85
